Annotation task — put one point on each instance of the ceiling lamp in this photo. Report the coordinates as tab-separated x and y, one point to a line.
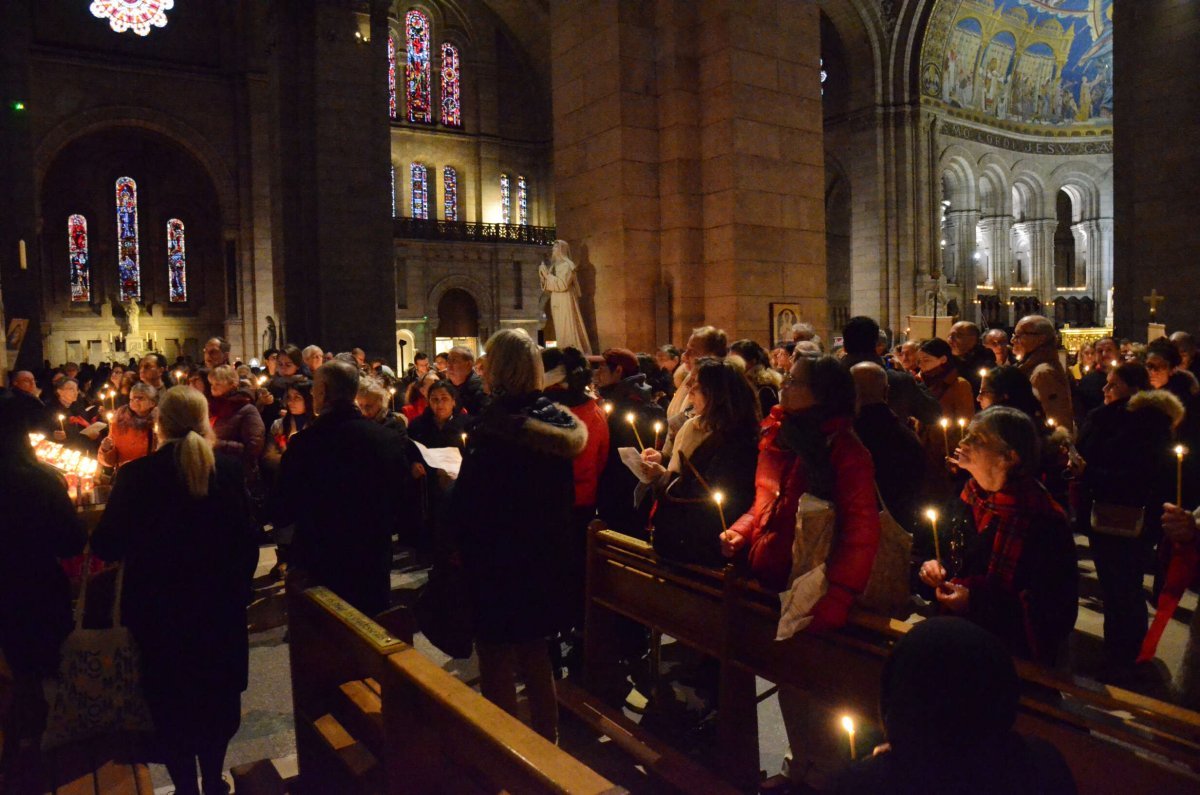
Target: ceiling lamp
136	15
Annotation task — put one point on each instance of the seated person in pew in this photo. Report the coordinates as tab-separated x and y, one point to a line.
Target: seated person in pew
808	445
711	471
1018	577
948	704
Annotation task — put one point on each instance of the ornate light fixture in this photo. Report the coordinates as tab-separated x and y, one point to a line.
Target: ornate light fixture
136	15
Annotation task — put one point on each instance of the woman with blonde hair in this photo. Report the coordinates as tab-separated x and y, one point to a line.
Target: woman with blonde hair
512	500
179	521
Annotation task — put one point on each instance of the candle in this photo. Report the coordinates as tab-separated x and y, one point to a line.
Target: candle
61	419
608	408
392	400
962	429
983	372
658	426
631	418
464	440
1180	452
1085	369
945	423
179	376
1050	423
109	417
848	725
932	515
719	499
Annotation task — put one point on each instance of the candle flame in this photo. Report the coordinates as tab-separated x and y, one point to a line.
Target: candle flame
657	427
109	416
718	497
62	417
945	423
391	390
1180	450
931	514
630	418
608	408
962	423
848	724
983	372
1050	423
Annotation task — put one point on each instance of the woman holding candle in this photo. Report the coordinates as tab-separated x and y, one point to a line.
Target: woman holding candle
67	417
1126	473
511	501
715	451
131	432
297	414
1018	576
236	422
179	520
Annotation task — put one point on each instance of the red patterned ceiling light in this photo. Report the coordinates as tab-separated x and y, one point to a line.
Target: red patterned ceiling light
136	15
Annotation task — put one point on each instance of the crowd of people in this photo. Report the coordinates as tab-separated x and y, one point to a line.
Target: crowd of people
993	452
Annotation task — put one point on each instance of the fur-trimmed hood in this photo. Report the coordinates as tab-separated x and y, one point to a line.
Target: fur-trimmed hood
539	424
1158	400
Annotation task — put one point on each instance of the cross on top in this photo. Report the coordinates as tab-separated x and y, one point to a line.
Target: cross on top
1154	299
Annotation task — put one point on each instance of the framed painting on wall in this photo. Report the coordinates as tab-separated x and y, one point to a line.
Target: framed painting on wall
783	317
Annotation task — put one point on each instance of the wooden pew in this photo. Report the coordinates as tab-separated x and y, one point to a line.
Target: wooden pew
374	715
1150	746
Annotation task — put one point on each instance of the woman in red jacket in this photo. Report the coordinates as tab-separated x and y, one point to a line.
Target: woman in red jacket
131	432
808	445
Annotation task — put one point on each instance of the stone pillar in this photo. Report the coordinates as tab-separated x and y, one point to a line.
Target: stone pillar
1041	238
334	231
996	232
688	153
962	241
1101	278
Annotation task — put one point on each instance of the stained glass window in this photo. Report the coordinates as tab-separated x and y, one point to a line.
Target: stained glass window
451	107
505	200
135	15
391	77
129	271
418	92
393	169
176	262
522	201
81	271
420	191
450	193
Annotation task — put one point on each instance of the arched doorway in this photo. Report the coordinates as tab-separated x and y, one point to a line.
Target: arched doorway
458	321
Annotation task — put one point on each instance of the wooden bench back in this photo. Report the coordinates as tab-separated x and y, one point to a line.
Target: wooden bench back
428	732
1145	744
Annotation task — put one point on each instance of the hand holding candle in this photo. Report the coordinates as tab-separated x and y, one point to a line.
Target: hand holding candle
932	515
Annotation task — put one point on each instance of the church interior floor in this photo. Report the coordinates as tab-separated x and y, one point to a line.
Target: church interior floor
267	730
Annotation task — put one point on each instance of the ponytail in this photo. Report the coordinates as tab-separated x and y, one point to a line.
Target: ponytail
196	463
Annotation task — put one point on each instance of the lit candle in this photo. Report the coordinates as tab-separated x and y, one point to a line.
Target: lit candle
983	372
61	419
848	725
392	400
109	417
262	379
631	418
608	408
1050	423
962	429
1180	452
179	376
719	499
1085	369
932	515
658	426
464	440
945	423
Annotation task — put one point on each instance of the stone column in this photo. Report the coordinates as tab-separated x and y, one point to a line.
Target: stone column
962	240
1041	238
688	153
997	233
334	230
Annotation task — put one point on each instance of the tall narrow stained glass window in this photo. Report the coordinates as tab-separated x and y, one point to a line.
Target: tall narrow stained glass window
522	201
451	105
450	193
505	200
129	270
391	77
81	270
420	191
393	170
418	89
176	262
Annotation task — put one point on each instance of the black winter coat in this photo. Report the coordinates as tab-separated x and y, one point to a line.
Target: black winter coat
337	483
511	501
899	461
471	396
188	570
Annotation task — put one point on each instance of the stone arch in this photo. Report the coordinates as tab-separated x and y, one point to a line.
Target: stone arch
1029	196
1083	189
960	184
858	32
995	196
86	122
474	288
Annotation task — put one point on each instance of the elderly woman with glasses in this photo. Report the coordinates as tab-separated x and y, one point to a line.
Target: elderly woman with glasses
1018	577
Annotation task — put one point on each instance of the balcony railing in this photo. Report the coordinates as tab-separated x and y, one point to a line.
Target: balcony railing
421	229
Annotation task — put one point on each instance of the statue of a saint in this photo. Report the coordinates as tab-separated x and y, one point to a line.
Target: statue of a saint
558	279
270	333
132	313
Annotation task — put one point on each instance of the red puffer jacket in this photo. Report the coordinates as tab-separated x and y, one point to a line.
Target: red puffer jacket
769	527
590	463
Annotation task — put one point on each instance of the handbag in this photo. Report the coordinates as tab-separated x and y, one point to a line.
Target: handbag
815	520
887	588
1123	521
98	687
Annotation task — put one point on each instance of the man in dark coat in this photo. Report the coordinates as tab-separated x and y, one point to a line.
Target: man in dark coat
26	401
461	371
969	356
897	452
625	389
337	483
906	397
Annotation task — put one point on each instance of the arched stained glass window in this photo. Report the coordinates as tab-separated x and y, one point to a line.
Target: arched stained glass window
129	270
176	262
418	90
450	193
522	201
505	200
81	270
393	171
451	105
391	77
420	191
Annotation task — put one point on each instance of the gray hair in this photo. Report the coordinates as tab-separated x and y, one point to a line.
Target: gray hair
340	381
1039	325
1014	431
311	350
461	352
141	388
223	373
514	363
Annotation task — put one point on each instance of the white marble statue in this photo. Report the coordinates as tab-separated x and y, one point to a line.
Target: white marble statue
558	279
132	315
